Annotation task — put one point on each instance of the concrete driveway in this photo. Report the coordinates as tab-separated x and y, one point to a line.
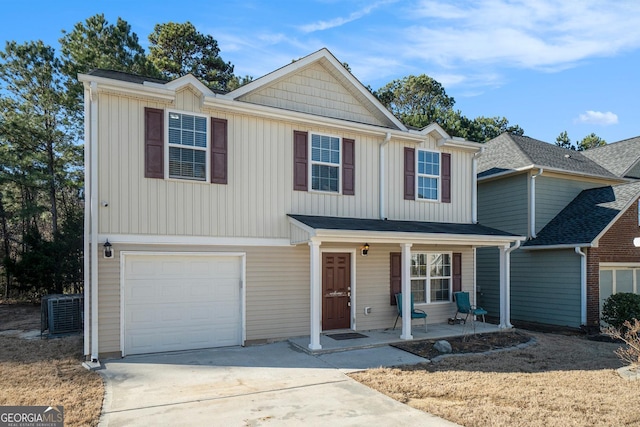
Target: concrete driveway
267	385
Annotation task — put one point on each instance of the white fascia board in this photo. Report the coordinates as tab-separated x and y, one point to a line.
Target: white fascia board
434	130
505	173
303	62
145	239
128	88
547	169
304	227
460	144
415	238
226	104
563	246
188	80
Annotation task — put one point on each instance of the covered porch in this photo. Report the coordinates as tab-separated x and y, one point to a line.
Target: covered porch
373	245
382	337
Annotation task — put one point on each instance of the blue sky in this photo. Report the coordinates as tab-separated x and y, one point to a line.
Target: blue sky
547	65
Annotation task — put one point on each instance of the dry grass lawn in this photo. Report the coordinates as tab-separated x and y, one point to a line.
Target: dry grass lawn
560	381
42	372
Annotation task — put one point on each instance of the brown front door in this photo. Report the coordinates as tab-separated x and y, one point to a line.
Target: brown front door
336	291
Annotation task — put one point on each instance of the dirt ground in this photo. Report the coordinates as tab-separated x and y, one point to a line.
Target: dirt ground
561	380
41	372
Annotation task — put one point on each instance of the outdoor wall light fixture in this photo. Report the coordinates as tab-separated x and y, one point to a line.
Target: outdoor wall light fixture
108	253
365	249
636	242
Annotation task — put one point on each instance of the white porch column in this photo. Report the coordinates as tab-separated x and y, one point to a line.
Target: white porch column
406	292
316	295
505	284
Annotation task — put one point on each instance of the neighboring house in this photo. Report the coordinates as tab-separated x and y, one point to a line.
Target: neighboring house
292	206
579	211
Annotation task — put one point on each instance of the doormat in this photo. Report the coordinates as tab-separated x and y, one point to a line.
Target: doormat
347	336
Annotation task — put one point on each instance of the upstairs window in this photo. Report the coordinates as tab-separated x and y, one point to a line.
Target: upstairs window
325	163
428	175
187	141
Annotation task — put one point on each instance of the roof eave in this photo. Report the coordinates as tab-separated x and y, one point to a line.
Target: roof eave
350	236
560	246
612	179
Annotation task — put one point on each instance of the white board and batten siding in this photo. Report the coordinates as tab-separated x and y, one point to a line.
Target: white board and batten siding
259	193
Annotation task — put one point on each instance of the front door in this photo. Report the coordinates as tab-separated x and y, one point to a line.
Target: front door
336	291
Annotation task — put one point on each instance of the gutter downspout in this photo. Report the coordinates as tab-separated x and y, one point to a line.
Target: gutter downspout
532	206
87	225
506	323
583	285
474	186
93	142
387	138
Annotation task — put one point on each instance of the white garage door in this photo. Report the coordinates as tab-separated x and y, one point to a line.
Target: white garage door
181	302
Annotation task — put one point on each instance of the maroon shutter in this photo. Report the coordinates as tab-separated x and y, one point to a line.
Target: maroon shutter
395	276
409	173
446	177
457	272
348	167
218	151
153	143
300	155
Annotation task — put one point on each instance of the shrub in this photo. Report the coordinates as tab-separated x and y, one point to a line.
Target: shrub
630	334
619	308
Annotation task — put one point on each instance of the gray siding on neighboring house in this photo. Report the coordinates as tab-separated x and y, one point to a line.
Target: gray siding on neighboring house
545	287
553	194
503	204
488	280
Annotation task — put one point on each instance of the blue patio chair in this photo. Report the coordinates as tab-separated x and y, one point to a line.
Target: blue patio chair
465	307
415	313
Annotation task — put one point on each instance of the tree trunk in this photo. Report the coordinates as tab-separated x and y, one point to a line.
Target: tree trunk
6	245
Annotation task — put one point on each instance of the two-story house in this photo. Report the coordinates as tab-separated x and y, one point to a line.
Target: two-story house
294	205
579	211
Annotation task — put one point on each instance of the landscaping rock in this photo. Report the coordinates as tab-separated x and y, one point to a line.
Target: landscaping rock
443	346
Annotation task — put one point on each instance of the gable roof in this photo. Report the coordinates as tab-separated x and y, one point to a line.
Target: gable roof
334	71
619	157
510	153
583	221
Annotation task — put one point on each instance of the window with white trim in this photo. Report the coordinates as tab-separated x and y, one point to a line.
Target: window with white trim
325	163
431	277
428	175
187	144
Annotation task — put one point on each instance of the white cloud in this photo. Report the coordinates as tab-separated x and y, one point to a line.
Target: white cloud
339	21
538	34
598	118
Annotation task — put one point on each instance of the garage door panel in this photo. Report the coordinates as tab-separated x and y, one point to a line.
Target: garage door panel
177	302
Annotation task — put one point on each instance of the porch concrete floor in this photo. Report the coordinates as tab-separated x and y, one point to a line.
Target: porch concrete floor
382	337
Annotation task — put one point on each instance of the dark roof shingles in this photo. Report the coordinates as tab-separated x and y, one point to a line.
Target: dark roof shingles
510	152
582	220
362	224
618	157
